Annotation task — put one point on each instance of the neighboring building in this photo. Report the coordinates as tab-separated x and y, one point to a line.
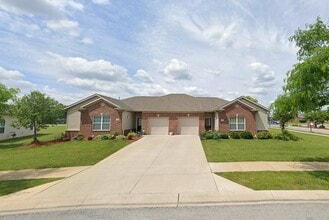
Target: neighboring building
7	131
162	115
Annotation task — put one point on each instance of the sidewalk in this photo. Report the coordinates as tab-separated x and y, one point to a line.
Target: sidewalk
269	166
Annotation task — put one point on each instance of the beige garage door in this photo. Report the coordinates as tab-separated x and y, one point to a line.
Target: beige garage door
158	126
188	125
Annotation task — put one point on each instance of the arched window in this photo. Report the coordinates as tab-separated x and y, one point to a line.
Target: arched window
2	126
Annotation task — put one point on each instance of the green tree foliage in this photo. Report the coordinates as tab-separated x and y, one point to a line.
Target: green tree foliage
320	116
36	111
253	99
6	94
308	81
283	110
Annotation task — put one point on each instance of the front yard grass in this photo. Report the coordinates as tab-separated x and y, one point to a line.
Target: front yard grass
65	154
51	133
309	148
283	180
11	186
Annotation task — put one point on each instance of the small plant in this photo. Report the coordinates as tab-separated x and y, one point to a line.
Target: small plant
246	135
131	135
120	137
79	137
234	135
263	135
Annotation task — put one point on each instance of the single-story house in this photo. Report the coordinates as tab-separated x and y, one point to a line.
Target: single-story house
177	114
7	131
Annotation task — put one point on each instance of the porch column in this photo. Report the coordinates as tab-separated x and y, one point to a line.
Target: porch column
216	121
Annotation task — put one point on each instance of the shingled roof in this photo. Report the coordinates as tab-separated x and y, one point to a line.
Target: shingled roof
174	103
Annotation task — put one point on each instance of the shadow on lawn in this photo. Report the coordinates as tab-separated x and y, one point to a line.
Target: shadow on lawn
316	159
323	175
17	142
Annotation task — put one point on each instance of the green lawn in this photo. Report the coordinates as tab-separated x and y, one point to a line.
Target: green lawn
65	154
271	180
309	148
11	186
50	133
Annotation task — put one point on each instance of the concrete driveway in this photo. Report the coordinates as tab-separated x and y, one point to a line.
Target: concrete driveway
156	167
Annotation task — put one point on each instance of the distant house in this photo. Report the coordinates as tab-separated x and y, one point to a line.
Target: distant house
162	115
7	131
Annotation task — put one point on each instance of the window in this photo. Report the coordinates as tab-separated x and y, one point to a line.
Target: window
101	122
237	123
2	126
207	124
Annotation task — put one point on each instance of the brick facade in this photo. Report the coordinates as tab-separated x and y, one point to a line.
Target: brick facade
98	109
237	110
173	120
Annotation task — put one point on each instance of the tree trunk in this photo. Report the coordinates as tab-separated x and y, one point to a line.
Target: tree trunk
282	125
35	139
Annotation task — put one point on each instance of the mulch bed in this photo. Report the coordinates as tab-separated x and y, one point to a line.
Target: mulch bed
44	143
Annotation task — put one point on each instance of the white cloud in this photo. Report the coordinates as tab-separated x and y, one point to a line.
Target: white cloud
193	90
77	68
65	27
53	9
15	79
176	70
263	79
220	35
144	76
10	74
87	40
101	2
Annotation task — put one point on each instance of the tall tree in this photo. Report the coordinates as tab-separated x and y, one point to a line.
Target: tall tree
308	81
36	111
6	94
283	110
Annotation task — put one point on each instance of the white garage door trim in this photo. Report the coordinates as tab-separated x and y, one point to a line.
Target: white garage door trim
188	125
158	125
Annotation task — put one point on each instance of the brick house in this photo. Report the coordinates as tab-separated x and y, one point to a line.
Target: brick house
162	115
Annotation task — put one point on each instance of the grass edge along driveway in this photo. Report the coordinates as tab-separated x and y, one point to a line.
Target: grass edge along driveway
280	180
12	186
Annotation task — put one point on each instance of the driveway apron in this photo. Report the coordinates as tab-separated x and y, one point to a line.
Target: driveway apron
152	165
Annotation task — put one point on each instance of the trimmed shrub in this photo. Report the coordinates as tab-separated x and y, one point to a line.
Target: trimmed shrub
263	135
246	135
322	126
216	136
234	135
224	136
302	121
209	135
286	136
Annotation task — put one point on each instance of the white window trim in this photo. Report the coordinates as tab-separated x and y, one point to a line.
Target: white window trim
237	123
101	123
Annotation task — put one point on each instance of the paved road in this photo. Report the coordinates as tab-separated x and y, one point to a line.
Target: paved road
289	211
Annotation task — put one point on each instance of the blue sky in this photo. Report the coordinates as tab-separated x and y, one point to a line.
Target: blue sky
70	49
